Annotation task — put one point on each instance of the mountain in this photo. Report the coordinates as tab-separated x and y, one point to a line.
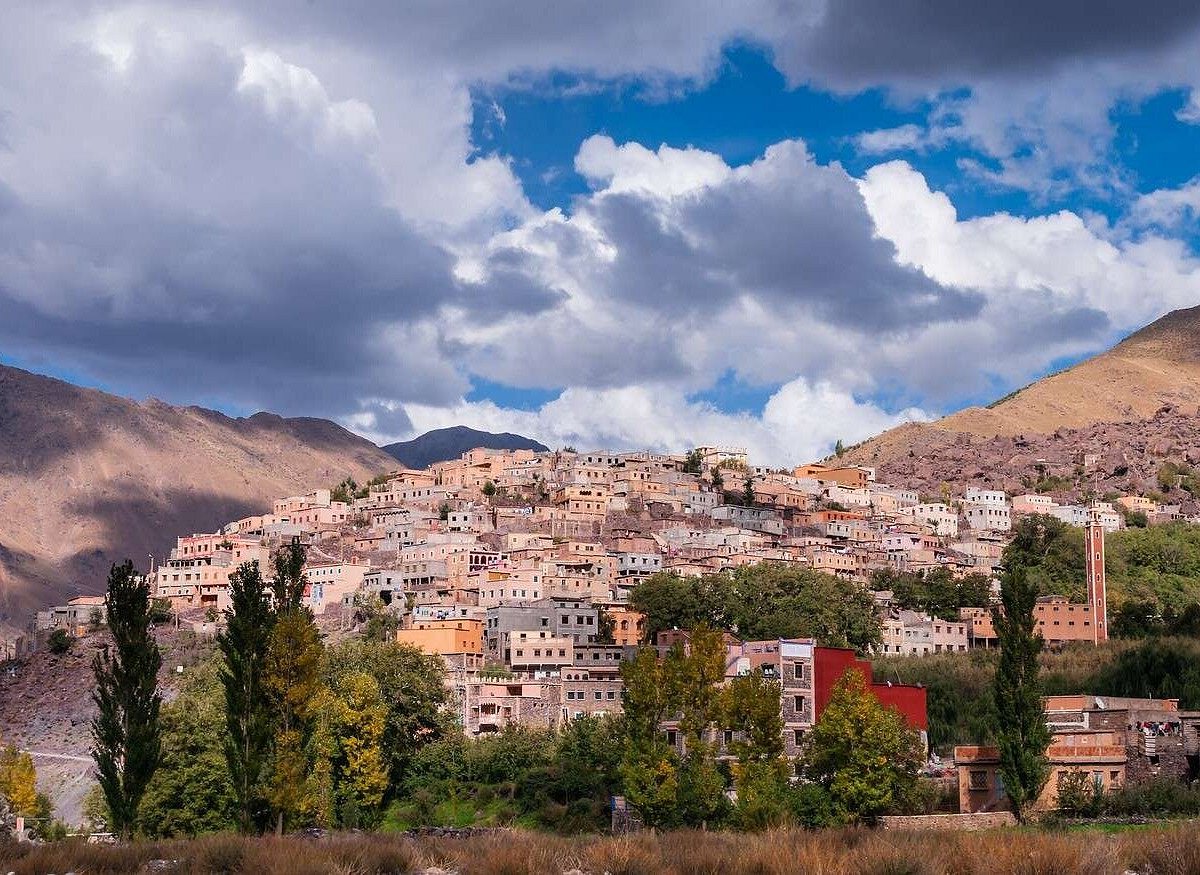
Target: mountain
88	478
1139	397
442	444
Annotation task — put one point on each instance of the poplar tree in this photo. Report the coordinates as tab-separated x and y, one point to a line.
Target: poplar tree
292	681
1023	735
125	732
243	645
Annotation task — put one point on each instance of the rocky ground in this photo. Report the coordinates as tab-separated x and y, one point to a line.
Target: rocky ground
46	708
1070	463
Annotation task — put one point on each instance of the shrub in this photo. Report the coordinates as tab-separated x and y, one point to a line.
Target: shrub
59	641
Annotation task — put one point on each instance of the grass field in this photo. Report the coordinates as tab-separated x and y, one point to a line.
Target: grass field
1173	850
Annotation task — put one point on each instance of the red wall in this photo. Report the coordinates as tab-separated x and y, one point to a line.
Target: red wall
830	663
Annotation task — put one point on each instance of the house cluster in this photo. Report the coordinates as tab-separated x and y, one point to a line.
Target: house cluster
516	566
1112	741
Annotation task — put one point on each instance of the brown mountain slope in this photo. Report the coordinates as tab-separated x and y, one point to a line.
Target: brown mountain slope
87	478
1158	365
1155	367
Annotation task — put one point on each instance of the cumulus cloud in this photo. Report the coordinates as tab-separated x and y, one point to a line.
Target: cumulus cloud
283	208
799	423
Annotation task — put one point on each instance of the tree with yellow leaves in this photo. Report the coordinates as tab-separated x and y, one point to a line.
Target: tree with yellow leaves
18	781
361	717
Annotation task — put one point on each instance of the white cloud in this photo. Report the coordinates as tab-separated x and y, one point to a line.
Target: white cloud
885	140
799	423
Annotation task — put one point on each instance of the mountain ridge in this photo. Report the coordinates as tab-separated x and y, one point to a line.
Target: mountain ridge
88	478
443	444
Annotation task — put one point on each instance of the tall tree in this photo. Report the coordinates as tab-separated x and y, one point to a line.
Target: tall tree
243	645
1023	735
289	581
292	680
125	732
750	708
649	767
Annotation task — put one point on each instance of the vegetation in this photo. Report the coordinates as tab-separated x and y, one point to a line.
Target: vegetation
769	600
1168	851
1023	736
125	731
18	781
693	463
936	592
243	645
1157	566
191	792
59	641
862	754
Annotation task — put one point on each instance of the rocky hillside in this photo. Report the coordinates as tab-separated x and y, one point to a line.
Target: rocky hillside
442	444
1070	463
87	478
1145	390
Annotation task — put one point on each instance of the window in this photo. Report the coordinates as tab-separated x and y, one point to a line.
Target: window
978	779
800	702
728	737
798	736
598	695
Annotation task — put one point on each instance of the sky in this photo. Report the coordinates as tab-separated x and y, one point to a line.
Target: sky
631	225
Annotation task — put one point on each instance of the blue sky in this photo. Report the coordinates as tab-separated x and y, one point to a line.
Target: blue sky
651	224
746	105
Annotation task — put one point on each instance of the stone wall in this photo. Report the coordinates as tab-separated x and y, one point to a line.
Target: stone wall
948	822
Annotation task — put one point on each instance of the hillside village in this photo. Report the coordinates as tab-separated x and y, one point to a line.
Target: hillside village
516	566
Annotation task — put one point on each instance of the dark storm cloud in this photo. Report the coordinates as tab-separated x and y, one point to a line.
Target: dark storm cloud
854	43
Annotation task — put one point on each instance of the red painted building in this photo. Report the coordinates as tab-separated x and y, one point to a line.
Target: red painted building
830	663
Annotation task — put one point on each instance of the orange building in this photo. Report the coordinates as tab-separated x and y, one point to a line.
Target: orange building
1058	620
845	475
441	637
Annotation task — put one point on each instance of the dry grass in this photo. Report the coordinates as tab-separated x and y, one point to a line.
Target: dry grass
1166	851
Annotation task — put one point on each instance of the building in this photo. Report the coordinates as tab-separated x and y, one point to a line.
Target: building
76	616
444	637
907	633
1112	740
1058	621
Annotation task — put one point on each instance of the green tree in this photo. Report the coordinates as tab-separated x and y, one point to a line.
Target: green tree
413	689
606	627
59	641
1023	736
344	491
243	645
750	706
694	672
191	793
718	481
125	731
839	448
693	463
748	492
864	755
288	582
649	766
489	488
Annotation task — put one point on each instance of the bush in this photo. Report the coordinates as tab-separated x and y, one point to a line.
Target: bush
1160	797
59	641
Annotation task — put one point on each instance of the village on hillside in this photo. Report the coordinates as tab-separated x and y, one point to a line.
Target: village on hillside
516	568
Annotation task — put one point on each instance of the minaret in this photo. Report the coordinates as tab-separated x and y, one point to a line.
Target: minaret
1093	545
